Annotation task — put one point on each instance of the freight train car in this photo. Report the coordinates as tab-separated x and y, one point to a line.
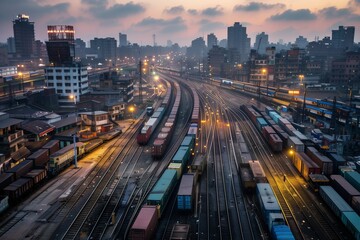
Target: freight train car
160	194
324	162
150	126
344	188
145	224
185	195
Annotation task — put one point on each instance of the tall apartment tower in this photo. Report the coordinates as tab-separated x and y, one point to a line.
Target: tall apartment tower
104	47
69	78
238	40
261	43
24	35
343	37
211	40
122	40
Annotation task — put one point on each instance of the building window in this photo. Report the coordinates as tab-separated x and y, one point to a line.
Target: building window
50	77
49	70
67	91
67	85
59	91
67	70
58	70
50	84
59	84
74	77
58	77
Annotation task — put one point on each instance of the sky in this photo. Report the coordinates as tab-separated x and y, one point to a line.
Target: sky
183	21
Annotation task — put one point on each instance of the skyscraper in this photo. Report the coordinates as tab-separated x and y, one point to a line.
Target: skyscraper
238	40
343	37
261	43
211	40
24	35
122	40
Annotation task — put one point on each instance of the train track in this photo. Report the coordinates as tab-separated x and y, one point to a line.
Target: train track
292	197
230	224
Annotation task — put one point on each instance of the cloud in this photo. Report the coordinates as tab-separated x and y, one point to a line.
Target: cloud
100	9
207	25
294	15
257	6
215	11
10	9
192	11
163	25
175	10
333	12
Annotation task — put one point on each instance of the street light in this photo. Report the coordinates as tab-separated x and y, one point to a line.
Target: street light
132	109
73	97
21	75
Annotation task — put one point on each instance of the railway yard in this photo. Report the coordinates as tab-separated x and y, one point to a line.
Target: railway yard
207	163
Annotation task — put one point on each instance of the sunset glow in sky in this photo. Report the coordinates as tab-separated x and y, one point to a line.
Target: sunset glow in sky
183	21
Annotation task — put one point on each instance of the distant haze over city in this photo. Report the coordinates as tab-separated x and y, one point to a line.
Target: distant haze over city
183	21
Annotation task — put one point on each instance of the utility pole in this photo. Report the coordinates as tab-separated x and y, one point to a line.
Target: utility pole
303	108
140	82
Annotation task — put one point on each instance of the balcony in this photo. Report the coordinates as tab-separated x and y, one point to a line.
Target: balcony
12	137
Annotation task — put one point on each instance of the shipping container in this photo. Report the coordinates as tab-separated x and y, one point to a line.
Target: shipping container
337	161
40	158
21	169
275	143
185	196
281	232
355	204
178	167
353	178
300	136
158	148
296	144
145	224
324	162
336	203
162	190
351	220
268	110
275	219
344	169
344	188
260	123
182	156
52	146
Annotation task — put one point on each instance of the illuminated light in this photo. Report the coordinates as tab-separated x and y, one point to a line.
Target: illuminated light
203	121
291	152
228	124
294	92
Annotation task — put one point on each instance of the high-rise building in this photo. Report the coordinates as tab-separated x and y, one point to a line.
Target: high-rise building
61	47
238	39
67	77
197	48
122	40
104	47
211	40
343	37
261	43
11	45
24	35
217	61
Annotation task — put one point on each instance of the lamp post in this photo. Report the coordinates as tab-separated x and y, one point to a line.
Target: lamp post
264	72
21	76
73	97
132	109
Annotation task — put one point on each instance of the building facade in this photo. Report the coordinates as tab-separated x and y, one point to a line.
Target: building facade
343	37
211	41
238	39
24	35
105	48
261	43
123	40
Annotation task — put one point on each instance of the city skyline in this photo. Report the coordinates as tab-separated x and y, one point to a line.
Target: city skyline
181	23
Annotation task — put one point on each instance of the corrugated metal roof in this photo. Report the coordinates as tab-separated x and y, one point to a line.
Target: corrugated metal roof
187	140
